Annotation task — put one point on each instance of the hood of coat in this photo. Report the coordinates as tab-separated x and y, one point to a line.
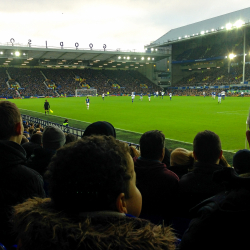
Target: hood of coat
60	231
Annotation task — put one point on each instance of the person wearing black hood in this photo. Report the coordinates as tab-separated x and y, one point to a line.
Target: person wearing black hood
17	182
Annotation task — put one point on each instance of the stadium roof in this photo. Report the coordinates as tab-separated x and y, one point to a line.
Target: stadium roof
29	55
211	25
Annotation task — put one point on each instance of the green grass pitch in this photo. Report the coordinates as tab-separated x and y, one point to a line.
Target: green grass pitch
180	119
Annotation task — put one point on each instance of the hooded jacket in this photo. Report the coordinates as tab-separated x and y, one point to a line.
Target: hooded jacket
17	183
40	226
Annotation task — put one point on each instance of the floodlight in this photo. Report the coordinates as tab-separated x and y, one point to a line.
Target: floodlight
231	56
134	58
185	36
128	57
238	23
152	49
229	26
148	58
179	37
17	53
1	52
222	27
153	59
142	58
212	30
202	32
119	57
124	57
156	49
24	54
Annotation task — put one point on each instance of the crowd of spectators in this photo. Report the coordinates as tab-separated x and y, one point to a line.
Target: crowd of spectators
96	192
216	76
64	82
218	48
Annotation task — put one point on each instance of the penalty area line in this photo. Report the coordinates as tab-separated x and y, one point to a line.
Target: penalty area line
230	151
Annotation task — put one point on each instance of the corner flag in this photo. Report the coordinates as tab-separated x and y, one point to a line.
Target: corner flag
51	111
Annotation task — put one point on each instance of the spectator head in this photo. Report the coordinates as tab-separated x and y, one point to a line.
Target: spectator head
53	138
11	125
207	147
241	161
70	138
181	156
100	128
95	173
36	138
152	145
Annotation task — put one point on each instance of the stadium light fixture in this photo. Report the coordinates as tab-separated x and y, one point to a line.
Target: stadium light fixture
222	28
231	56
202	32
148	58
156	49
124	57
179	38
135	58
152	49
24	54
153	59
128	57
1	52
229	26
212	30
119	57
142	58
23	64
238	23
17	53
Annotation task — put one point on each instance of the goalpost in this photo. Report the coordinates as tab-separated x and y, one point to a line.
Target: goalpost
85	92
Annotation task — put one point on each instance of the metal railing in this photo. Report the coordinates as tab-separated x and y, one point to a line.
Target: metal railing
69	130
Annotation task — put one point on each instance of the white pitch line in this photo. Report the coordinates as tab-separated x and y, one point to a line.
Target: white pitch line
125	130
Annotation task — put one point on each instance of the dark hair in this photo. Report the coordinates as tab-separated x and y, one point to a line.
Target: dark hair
207	146
36	138
70	138
10	116
89	174
151	144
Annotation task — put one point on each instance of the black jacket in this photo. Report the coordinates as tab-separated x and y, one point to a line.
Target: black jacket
17	183
222	221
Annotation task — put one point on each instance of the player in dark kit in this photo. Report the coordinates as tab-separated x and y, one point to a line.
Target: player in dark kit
46	106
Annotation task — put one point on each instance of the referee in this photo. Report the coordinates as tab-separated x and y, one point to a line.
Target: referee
46	106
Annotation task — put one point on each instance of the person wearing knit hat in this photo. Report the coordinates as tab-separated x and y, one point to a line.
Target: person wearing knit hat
100	128
53	137
241	161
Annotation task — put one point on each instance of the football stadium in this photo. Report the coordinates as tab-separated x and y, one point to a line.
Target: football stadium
191	79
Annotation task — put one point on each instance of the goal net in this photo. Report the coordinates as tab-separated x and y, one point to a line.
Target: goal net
85	92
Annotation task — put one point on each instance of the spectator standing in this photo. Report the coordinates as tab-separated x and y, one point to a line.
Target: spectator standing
17	182
94	203
158	185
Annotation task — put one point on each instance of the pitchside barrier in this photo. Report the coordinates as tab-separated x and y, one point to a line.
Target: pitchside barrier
69	130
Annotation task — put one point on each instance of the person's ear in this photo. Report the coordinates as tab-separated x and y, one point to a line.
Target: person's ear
18	128
194	155
221	152
121	203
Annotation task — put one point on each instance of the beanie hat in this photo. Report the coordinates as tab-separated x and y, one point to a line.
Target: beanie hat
241	161
100	128
53	137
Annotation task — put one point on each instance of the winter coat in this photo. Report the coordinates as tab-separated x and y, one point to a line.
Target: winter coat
159	188
39	226
17	183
